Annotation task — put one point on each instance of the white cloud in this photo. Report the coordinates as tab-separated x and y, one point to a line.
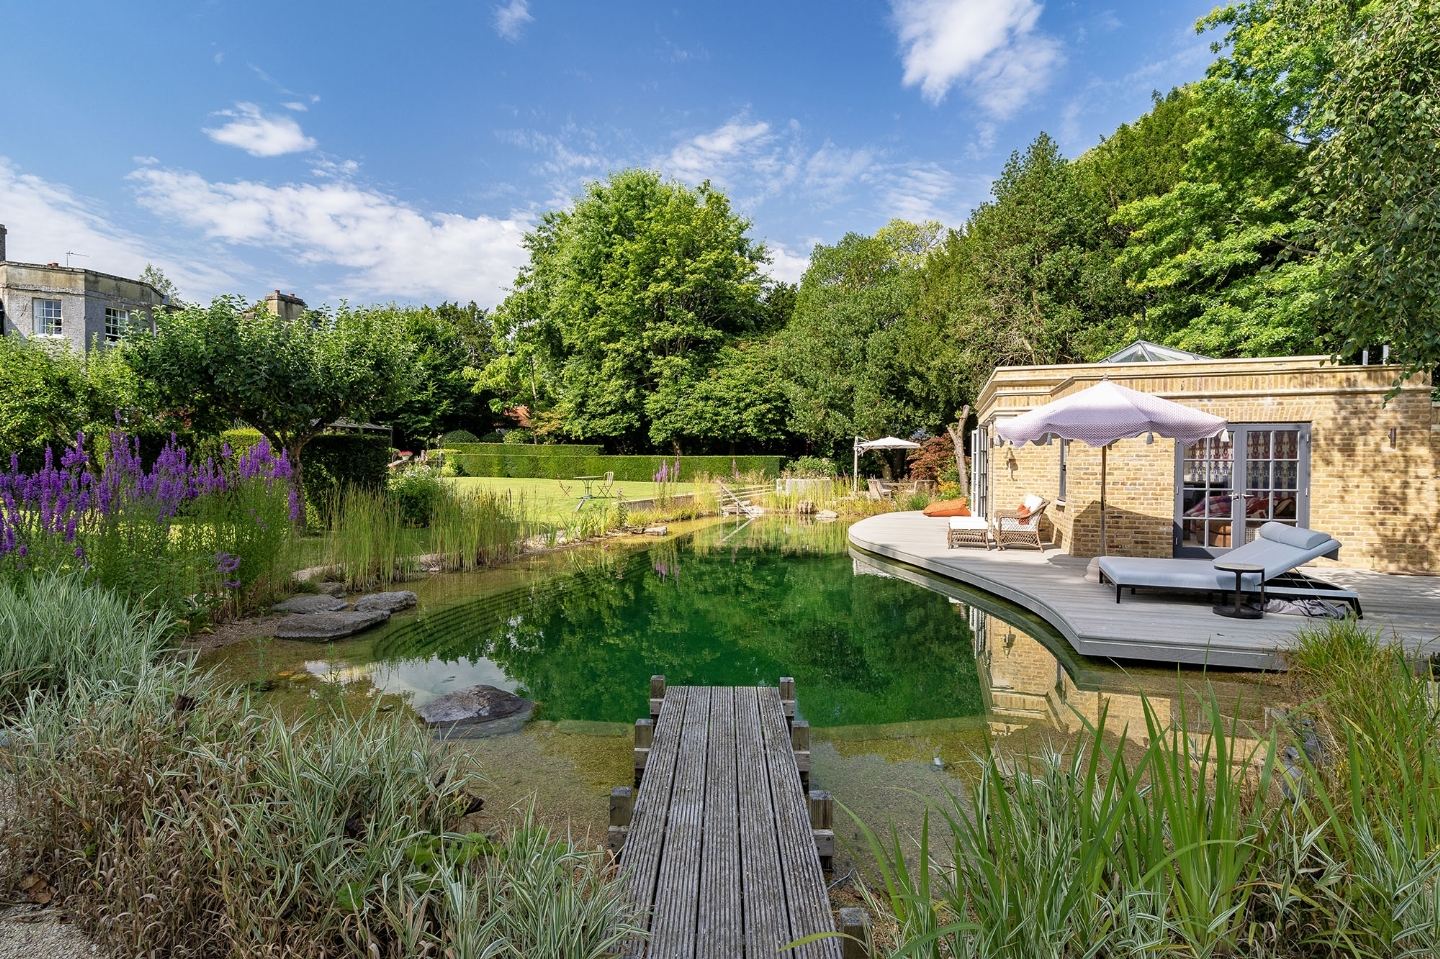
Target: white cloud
389	248
712	156
295	105
786	266
510	19
990	46
260	135
45	219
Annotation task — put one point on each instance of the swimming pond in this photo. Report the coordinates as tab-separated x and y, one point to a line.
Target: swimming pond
903	677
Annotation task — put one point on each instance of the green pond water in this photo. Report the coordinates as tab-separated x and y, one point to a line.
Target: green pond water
904	678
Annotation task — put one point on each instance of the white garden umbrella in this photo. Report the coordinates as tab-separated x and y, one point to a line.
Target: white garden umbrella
1101	414
863	445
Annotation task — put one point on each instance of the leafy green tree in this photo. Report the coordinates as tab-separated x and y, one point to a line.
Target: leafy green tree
1376	179
856	356
48	392
211	366
740	400
448	342
163	285
628	296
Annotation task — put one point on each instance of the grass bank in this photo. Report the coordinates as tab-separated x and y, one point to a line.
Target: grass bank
175	817
1319	837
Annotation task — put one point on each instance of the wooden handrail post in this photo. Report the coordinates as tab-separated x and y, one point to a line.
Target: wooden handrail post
787	697
657	695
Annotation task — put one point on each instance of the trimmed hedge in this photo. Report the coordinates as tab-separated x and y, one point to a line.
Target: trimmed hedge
333	461
242	439
627	469
510	449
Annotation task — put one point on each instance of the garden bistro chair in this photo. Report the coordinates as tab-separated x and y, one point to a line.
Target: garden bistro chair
1012	530
605	486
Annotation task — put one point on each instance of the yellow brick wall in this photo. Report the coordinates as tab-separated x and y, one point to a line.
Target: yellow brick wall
1379	500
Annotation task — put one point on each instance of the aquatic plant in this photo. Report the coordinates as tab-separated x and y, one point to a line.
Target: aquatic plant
1199	838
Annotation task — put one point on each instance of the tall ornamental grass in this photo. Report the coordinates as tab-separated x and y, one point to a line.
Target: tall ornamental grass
174	817
1321	839
190	538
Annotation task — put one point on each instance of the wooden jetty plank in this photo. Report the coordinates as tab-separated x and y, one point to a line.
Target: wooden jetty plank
766	925
677	892
807	898
720	925
646	838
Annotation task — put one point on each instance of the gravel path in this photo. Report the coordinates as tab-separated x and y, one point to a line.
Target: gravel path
35	932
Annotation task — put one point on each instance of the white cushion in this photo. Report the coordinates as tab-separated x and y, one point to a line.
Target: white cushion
1032	502
968	522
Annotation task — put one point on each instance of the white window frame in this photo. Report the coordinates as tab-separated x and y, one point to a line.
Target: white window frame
117	324
41	318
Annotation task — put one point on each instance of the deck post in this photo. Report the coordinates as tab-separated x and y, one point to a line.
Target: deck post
622	809
800	746
644	739
855	925
787	697
657	696
822	826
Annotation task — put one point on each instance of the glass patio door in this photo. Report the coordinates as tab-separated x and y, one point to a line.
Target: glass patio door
1229	485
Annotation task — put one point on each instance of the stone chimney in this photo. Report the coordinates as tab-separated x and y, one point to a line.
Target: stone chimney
287	306
2	243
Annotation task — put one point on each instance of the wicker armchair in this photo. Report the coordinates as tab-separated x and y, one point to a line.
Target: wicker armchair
1011	530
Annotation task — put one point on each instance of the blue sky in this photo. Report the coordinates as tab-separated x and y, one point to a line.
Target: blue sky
400	151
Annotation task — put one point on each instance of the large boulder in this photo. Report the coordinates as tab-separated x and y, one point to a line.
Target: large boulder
310	604
389	602
320	627
472	705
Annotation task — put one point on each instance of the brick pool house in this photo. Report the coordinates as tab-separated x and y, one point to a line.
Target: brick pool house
1313	443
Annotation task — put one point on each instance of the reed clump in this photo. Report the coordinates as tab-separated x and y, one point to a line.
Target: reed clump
1319	839
172	816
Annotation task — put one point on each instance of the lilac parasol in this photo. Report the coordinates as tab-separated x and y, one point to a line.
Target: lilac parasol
1101	414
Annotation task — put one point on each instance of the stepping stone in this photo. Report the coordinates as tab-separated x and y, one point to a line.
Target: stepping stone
389	602
472	705
310	604
319	627
332	588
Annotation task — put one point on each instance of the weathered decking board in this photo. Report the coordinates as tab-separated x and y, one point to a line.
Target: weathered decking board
720	850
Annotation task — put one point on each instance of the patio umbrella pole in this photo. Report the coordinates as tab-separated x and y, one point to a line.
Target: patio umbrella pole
1092	571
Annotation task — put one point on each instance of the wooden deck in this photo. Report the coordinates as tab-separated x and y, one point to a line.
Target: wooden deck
721	844
1151	627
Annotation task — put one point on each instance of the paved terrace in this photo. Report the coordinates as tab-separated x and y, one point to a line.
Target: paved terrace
1153	627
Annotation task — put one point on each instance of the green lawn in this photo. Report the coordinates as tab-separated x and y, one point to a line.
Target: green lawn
546	501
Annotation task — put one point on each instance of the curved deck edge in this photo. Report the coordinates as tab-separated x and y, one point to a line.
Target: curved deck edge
1260	653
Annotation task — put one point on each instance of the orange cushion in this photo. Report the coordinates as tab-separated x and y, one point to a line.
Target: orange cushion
1023	513
948	507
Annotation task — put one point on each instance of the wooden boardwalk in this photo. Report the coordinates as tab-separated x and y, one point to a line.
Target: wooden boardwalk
721	844
1155	627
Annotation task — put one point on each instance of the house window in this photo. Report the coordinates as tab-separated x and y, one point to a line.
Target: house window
1064	448
117	324
47	317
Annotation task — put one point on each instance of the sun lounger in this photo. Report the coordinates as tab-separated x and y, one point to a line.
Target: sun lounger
1277	547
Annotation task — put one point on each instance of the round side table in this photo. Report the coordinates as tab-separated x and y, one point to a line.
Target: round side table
1239	611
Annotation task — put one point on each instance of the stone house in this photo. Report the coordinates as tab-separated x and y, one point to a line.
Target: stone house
1311	443
69	304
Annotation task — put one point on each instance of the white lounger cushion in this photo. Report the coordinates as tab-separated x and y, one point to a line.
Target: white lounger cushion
1269	549
968	522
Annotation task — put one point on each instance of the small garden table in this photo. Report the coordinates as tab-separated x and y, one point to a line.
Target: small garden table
1239	611
587	480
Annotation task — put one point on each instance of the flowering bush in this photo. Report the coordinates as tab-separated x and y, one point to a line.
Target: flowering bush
181	535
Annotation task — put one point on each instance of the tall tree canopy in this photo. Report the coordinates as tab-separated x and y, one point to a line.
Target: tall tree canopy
857	356
628	301
446	342
211	366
